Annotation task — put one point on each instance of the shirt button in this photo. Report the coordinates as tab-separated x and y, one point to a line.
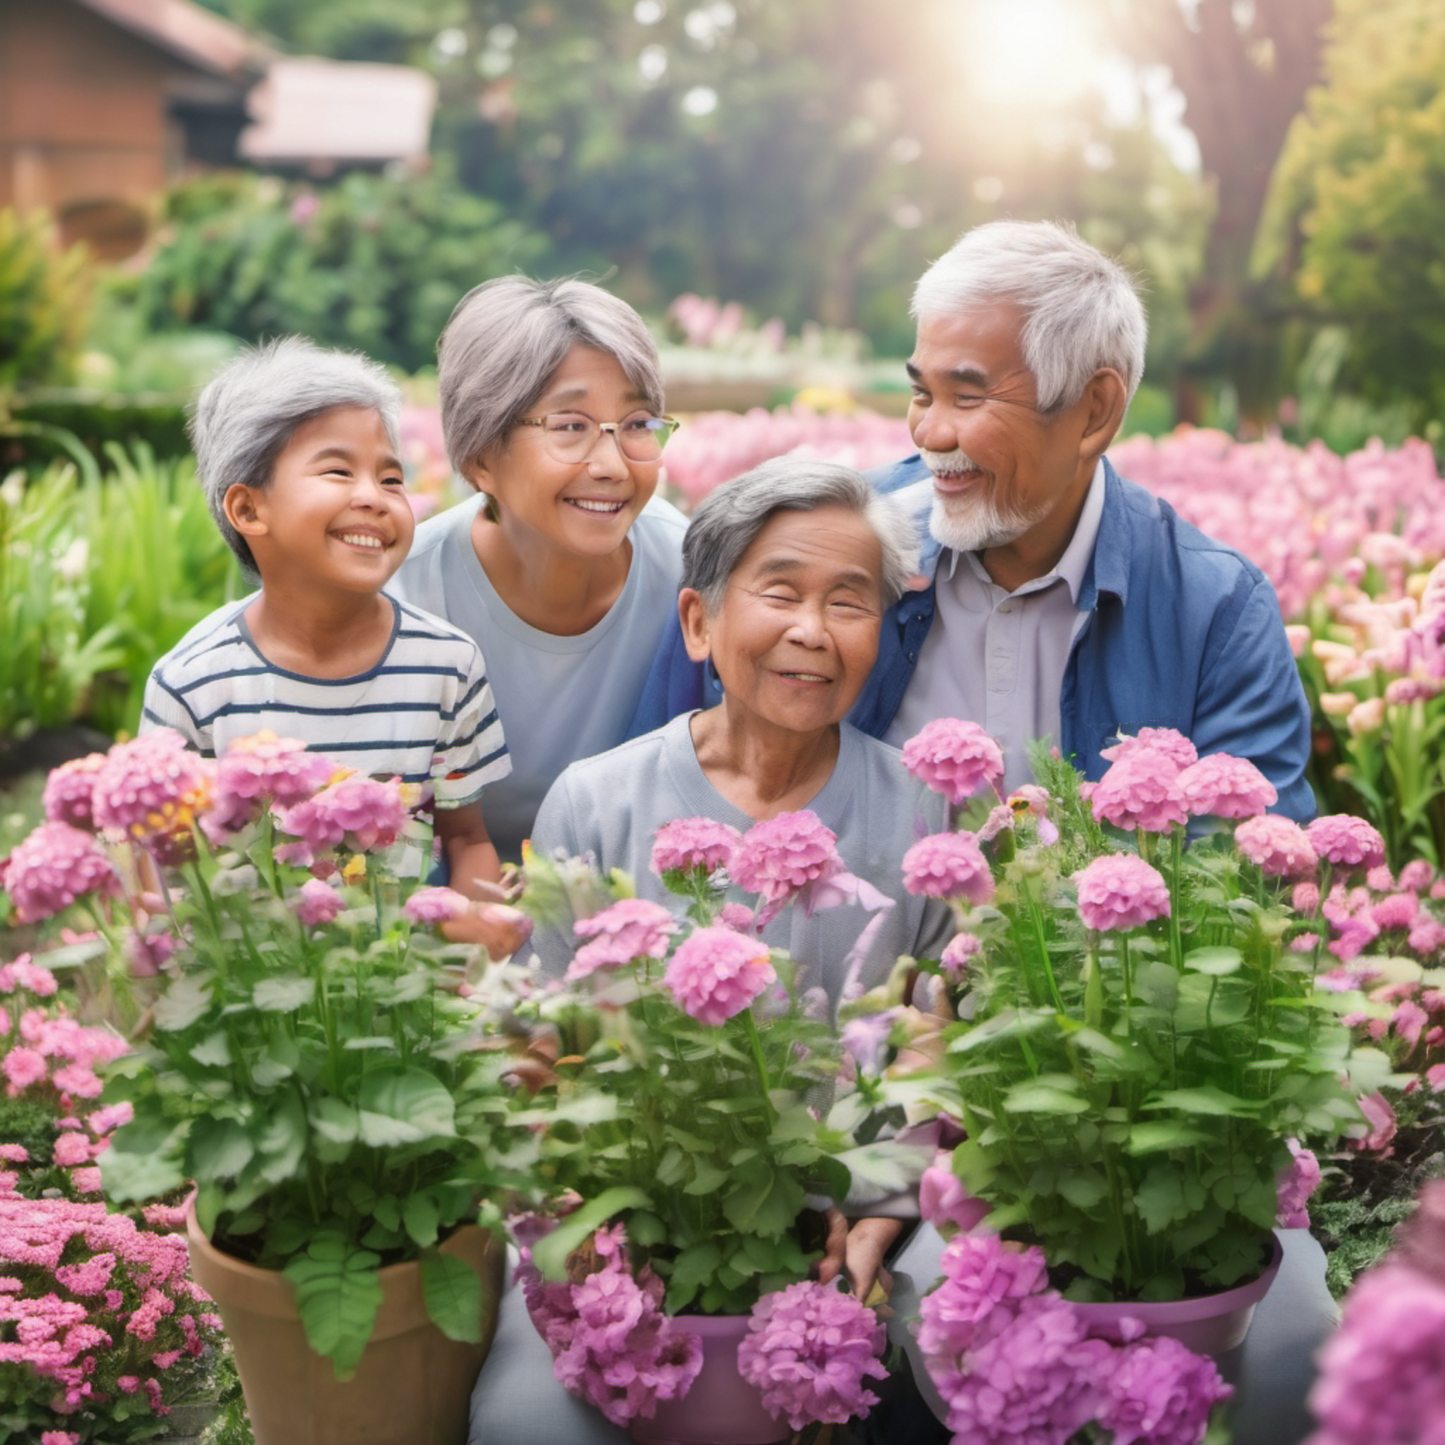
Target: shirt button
1007	607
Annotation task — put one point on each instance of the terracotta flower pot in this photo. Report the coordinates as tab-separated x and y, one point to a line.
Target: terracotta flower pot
1211	1324
720	1408
413	1384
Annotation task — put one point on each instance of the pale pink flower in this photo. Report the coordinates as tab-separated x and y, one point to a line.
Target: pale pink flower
72	1149
948	865
1305	898
1346	841
32	977
629	929
1416	876
958	954
953	757
361	812
717	973
22	1067
1222	786
53	867
1120	891
1140	790
87	1180
1427	936
151	790
1294	1187
1158	1392
1169	741
1380	1115
434	905
808	1351
317	903
867	1040
944	1202
1380	878
1277	846
147	953
265	768
69	795
781	856
689	844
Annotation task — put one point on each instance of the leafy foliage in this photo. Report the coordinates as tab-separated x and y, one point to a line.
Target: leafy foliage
43	299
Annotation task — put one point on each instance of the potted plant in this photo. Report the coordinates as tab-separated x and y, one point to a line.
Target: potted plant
1142	1033
307	1057
697	1114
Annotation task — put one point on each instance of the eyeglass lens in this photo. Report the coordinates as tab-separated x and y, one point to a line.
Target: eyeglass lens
571	436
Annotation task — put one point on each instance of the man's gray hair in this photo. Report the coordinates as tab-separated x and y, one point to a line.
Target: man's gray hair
730	518
505	340
1081	309
250	410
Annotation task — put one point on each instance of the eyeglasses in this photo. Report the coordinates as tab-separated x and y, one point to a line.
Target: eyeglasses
570	435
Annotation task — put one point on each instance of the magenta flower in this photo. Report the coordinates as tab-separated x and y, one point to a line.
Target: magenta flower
318	903
945	1203
958	954
985	1281
259	770
1120	891
53	867
435	905
1277	846
361	812
948	865
629	929
69	795
808	1350
1222	786
1160	1393
1172	743
1141	790
717	973
690	844
1295	1185
953	757
151	789
1380	1115
781	856
1346	841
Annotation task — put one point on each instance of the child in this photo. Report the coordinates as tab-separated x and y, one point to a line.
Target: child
296	448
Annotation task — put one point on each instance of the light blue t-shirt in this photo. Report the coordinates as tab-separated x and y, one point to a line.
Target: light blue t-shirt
559	698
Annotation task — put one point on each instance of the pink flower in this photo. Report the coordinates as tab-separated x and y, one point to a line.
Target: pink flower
1381	1118
151	790
1416	876
985	1280
1140	790
958	954
361	812
72	1149
146	953
1305	898
1120	891
1276	846
717	973
1160	1393
1346	841
809	1350
69	792
866	1040
629	929
689	844
53	867
944	1202
87	1180
1172	743
1222	786
1296	1184
1427	936
781	856
953	757
32	977
948	865
433	905
265	769
22	1067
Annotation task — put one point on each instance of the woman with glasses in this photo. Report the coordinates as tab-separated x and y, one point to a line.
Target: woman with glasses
565	569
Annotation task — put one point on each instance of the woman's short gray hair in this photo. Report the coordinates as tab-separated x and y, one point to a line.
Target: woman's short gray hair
508	336
249	411
730	518
1082	309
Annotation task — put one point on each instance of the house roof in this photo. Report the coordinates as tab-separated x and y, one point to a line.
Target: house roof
186	31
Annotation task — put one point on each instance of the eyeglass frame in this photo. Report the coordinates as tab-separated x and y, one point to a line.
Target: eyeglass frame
609	427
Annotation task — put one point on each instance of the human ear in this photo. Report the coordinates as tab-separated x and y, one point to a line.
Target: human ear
476	475
1105	398
242	506
696	629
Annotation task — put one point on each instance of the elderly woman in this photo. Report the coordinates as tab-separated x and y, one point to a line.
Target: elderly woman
565	568
786	574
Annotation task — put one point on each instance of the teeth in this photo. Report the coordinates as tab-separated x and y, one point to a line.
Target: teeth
808	676
359	539
587	506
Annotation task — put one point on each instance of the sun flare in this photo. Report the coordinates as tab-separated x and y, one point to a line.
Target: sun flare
1026	52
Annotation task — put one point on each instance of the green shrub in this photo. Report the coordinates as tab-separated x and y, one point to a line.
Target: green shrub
371	262
43	300
157	423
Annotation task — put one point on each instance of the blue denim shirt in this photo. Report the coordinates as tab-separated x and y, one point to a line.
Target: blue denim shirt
1182	632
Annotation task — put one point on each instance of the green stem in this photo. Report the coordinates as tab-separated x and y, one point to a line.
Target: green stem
756	1042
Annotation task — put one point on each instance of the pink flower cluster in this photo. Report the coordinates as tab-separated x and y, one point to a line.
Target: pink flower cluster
1015	1363
53	867
435	905
362	813
717	972
259	771
151	790
781	856
629	929
69	795
689	845
611	1344
1120	891
809	1350
1296	1184
45	1049
954	757
948	865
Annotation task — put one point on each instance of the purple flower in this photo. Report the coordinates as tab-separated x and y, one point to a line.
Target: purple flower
1222	786
866	1039
809	1350
1346	841
69	795
1119	892
1140	790
1277	846
781	856
717	973
953	757
1160	1393
948	865
53	867
1296	1183
985	1281
318	903
629	929
689	844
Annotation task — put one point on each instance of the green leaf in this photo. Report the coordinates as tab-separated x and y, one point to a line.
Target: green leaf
335	1121
1164	1134
1035	1096
453	1295
1208	1100
337	1296
404	1106
1216	962
186	1000
420	1215
550	1254
690	1269
218	1149
141	1162
707	1178
213	1050
283	994
1166	1197
282	1142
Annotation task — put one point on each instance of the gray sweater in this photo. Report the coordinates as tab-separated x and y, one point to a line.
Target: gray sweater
611	805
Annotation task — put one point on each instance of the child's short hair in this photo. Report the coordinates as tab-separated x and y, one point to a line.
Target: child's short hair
249	411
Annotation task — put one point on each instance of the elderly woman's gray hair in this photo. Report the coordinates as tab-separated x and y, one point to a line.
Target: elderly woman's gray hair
249	411
506	338
1082	309
730	518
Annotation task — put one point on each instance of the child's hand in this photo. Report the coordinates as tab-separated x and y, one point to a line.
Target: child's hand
500	929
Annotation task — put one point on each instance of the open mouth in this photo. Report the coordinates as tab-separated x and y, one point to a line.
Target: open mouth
813	677
366	540
595	508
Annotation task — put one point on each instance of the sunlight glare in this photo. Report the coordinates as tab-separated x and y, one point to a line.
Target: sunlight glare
1027	52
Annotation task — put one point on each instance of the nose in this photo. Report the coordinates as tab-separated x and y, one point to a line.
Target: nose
809	626
929	429
369	491
606	458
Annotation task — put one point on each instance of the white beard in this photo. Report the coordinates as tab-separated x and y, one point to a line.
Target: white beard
971	522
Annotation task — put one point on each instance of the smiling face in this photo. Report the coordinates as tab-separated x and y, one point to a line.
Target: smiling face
581	508
336	511
796	633
1003	471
